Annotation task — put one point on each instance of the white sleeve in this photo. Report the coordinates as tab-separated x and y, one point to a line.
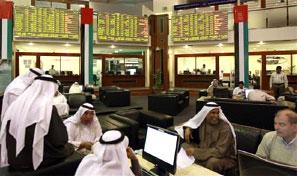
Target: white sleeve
72	130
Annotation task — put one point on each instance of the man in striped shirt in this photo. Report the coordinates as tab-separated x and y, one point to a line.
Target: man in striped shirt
278	82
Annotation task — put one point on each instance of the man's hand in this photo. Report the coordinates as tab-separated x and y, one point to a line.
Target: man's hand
190	151
86	145
130	153
188	135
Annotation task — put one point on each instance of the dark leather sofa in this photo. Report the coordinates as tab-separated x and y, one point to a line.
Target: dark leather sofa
113	96
250	113
76	100
170	102
138	120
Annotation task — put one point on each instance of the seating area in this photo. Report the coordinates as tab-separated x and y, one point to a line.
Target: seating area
113	96
250	113
171	102
139	119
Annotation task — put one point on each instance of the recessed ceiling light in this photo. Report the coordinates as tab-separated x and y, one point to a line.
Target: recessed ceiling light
261	43
220	45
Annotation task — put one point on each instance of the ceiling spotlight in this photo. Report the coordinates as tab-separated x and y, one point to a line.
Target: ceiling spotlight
112	46
261	43
220	45
31	43
67	44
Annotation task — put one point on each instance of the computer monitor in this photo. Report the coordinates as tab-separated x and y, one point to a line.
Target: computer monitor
161	148
251	164
221	92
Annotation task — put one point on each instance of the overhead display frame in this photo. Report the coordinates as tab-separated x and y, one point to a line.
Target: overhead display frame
46	23
199	26
116	27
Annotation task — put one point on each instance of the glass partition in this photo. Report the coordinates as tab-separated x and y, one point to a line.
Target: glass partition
62	65
255	70
5	74
97	71
205	65
114	66
272	61
70	65
25	63
226	67
123	66
133	66
186	65
294	65
196	65
50	62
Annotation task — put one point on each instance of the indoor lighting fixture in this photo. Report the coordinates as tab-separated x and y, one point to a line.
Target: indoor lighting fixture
112	46
31	43
261	43
67	44
220	45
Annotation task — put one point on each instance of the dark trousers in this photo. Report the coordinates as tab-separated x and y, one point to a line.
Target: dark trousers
278	90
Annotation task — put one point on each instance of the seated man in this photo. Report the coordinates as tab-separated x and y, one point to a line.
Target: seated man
75	88
213	84
239	92
259	95
83	128
210	138
32	133
110	157
281	145
60	102
17	87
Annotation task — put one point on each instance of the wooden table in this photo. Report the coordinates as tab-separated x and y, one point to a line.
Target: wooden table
194	169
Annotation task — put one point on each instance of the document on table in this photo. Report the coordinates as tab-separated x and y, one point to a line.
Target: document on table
183	160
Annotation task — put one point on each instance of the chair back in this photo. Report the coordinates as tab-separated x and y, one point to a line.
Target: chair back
251	164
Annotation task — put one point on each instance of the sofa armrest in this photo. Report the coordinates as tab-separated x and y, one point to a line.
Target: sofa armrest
155	118
124	120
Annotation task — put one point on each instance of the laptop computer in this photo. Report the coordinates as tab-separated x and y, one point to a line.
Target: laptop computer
251	164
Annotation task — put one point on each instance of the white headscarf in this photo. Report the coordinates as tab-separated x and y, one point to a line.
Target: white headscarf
33	106
80	112
196	121
17	87
75	88
109	158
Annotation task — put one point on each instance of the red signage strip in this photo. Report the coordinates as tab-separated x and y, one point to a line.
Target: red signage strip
6	8
86	16
240	13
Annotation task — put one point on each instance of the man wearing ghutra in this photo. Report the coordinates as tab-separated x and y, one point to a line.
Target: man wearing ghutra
110	157
32	133
210	138
83	127
17	87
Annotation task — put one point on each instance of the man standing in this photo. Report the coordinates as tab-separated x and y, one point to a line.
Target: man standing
281	145
278	82
210	138
32	133
52	71
17	87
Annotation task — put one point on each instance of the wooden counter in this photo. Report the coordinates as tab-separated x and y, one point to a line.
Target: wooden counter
126	81
193	81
